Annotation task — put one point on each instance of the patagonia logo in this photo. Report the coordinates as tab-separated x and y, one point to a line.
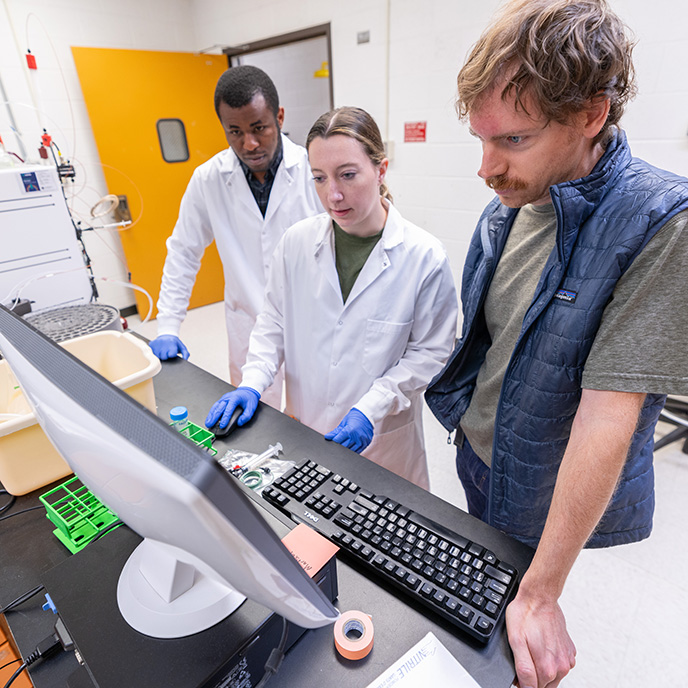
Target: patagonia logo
566	295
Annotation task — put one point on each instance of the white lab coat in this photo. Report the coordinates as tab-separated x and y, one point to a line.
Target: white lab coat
218	205
377	352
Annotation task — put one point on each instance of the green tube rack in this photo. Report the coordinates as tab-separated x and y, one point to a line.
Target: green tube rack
77	514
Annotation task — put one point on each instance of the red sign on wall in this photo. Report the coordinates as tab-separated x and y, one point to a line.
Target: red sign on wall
414	131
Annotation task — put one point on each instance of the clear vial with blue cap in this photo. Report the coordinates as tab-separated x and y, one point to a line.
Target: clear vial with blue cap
179	416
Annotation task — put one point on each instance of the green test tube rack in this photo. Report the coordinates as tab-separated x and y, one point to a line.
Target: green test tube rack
77	514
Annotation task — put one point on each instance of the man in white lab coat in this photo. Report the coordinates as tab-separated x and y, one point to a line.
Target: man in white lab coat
243	198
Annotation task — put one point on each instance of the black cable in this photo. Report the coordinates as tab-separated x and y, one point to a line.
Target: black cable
112	526
45	648
276	656
8	663
15	674
22	511
21	599
12	500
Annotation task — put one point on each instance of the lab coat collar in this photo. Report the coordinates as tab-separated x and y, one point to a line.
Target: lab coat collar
392	236
378	261
290	158
233	174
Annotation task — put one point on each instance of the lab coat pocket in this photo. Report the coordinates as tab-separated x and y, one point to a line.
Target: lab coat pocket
385	343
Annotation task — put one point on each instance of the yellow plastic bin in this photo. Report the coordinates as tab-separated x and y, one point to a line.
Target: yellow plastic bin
27	458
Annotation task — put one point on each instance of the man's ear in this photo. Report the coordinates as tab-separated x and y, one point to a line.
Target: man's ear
280	117
594	116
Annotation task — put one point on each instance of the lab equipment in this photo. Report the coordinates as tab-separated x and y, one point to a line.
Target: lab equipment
461	580
221	411
273	450
205	545
354	432
179	416
168	346
37	237
77	514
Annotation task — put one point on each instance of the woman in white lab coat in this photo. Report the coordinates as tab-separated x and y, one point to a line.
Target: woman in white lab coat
360	306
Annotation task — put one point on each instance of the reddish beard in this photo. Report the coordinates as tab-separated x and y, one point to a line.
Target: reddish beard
501	183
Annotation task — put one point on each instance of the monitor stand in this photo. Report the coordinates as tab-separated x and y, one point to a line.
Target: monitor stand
84	591
165	592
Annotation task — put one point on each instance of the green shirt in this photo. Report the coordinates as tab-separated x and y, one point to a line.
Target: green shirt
351	253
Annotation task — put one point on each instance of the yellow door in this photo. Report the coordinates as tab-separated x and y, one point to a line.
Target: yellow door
127	92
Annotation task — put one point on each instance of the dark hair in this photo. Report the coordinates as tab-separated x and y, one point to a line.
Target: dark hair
563	53
356	124
238	85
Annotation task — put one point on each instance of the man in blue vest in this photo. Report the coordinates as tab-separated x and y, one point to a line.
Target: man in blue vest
573	331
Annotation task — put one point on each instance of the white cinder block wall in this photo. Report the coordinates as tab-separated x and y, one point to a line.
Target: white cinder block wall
405	73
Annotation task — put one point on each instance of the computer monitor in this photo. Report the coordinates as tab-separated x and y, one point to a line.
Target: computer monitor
205	545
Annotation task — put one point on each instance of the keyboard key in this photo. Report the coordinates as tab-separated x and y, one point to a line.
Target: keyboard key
465	614
501	576
412	581
490	557
379	561
451	604
344	522
439	597
497	587
507	568
390	567
476	550
492	609
400	573
452	586
493	596
354	506
427	590
483	625
366	553
366	503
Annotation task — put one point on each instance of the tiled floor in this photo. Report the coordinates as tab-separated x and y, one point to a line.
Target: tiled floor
626	607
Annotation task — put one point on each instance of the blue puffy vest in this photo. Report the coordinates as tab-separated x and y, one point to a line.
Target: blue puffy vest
603	222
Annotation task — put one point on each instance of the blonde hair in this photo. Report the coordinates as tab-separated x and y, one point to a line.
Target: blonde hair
356	124
562	53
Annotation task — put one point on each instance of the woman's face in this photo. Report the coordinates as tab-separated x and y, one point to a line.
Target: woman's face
348	184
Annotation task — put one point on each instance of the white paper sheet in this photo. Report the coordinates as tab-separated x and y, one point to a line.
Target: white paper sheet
427	663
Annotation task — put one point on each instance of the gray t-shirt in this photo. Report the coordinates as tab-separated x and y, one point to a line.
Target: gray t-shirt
641	345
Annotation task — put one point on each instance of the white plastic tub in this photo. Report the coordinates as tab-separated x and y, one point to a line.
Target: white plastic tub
27	458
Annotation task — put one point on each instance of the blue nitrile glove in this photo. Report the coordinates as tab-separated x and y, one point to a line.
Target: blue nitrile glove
354	432
168	346
222	409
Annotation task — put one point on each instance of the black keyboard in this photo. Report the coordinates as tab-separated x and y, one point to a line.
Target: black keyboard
459	579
